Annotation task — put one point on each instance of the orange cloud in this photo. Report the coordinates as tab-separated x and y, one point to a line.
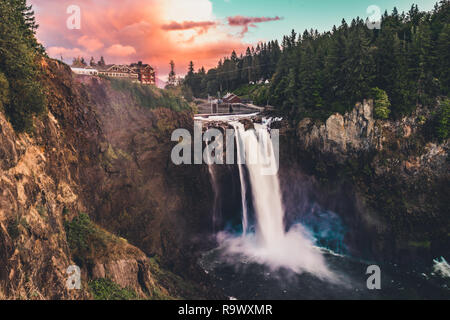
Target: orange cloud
133	30
119	50
90	44
64	52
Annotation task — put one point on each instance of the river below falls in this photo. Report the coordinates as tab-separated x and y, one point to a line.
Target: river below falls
243	279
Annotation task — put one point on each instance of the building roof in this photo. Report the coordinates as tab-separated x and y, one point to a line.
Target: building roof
230	96
110	66
120	66
105	67
83	69
137	66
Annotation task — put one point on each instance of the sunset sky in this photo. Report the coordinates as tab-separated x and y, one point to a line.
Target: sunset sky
157	31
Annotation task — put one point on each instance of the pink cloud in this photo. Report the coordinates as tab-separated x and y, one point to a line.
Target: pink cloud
90	44
246	22
59	52
119	50
133	30
186	25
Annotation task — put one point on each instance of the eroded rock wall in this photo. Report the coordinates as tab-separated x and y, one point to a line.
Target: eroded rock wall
387	179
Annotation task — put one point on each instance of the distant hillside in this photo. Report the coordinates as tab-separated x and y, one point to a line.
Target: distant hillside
160	83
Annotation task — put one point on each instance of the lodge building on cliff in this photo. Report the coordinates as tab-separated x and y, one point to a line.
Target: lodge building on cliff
135	72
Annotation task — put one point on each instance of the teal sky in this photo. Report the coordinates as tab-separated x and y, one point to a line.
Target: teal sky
305	14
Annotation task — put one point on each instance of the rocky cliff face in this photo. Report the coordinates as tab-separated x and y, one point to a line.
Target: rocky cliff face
342	135
386	178
33	246
98	152
135	190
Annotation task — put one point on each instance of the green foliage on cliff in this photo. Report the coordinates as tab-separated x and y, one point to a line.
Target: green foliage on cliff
13	229
19	55
151	97
80	232
381	103
258	93
105	289
88	242
4	91
443	120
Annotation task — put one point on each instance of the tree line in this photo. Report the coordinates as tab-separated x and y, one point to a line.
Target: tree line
21	94
80	62
403	64
255	66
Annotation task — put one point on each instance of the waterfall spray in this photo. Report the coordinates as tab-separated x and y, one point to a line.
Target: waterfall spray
270	243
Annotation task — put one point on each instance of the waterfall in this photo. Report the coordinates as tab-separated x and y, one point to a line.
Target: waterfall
256	147
240	155
270	243
216	193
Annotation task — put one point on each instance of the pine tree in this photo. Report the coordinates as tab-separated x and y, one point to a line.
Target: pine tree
101	63
335	66
189	79
19	64
4	91
28	26
381	102
191	68
247	67
172	81
443	54
443	120
359	67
